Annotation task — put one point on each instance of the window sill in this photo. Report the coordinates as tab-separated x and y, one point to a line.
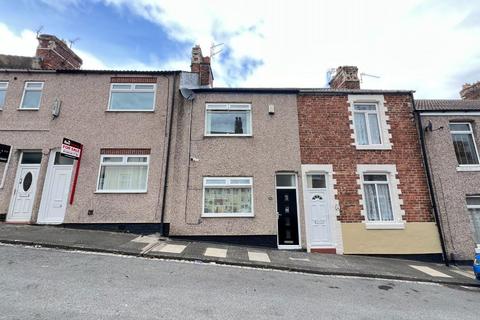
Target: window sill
228	135
119	192
468	168
28	109
228	215
385	225
126	110
373	147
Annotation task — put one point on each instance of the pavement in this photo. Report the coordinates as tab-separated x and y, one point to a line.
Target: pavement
151	246
42	283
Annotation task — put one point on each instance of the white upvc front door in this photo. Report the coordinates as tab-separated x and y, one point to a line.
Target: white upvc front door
319	218
24	190
56	189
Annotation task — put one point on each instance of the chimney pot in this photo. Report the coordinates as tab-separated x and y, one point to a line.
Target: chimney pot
346	77
470	91
54	53
201	65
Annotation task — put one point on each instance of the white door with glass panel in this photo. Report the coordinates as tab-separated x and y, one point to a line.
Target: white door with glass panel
56	189
24	190
319	216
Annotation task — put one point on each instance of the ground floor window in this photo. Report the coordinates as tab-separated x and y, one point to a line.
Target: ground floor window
123	173
473	205
380	196
377	197
227	197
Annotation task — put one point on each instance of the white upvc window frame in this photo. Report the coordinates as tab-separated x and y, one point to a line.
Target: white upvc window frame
25	89
3	87
124	162
376	183
383	126
395	202
227	184
473	207
212	107
466	167
132	89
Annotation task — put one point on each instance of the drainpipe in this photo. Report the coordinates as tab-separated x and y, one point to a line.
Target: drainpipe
167	161
421	130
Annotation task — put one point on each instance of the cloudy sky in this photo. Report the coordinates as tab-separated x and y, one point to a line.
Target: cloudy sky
431	46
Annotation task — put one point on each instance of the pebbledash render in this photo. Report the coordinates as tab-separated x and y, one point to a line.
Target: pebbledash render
334	170
123	159
37	184
236	167
451	134
364	184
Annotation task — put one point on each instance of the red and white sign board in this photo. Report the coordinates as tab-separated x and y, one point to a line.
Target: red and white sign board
71	149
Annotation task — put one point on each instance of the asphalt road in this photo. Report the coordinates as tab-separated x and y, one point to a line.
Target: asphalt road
51	284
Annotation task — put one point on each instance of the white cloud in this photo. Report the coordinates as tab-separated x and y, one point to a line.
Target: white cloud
23	44
410	44
430	46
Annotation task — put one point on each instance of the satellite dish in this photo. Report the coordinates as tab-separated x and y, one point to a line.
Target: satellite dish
187	94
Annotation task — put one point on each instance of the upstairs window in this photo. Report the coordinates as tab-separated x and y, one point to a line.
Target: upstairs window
3	93
228	120
123	174
473	206
367	127
464	143
32	95
132	97
377	197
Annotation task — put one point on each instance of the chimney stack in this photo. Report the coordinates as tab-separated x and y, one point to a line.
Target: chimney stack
346	77
55	54
201	65
470	91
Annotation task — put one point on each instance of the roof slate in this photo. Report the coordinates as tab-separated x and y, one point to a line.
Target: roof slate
447	105
298	90
16	62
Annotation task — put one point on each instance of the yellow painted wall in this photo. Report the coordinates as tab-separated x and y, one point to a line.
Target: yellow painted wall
416	238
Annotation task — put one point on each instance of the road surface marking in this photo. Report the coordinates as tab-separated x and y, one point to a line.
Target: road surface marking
216	252
171	248
465	273
258	256
431	272
299	259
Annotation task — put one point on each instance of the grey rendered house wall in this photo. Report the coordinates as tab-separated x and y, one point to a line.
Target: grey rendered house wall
84	118
273	147
451	186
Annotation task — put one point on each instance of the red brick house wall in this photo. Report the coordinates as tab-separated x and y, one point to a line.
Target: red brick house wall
325	138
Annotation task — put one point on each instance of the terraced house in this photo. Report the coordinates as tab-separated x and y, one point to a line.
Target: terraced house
364	183
335	170
122	120
451	133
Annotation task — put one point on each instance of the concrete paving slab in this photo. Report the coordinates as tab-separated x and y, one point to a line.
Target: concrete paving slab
216	252
470	275
258	256
170	248
430	271
146	239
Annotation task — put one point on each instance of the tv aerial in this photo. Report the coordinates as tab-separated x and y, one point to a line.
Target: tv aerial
363	74
214	49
